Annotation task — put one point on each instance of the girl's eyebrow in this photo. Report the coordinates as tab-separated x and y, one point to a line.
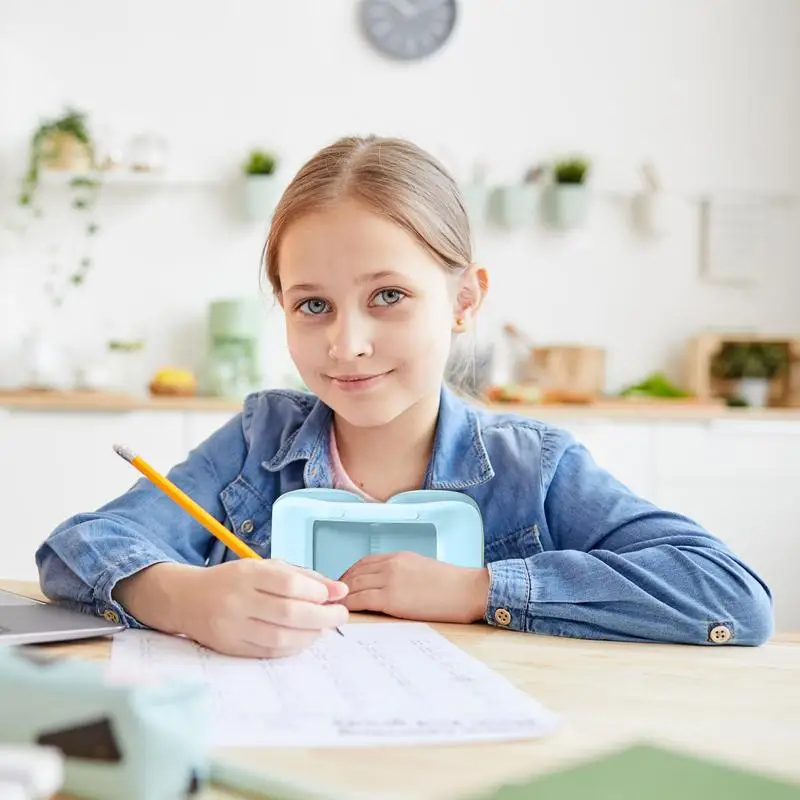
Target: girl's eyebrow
366	278
304	287
375	276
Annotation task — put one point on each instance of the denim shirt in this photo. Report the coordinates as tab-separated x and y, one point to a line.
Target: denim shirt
570	550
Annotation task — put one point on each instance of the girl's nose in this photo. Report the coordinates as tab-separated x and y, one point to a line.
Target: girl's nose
349	339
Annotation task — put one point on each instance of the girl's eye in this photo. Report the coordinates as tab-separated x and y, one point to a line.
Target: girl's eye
389	297
313	307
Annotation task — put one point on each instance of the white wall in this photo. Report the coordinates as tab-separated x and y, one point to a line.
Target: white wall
710	90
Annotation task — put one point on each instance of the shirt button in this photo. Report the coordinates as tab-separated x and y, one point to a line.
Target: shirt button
502	616
111	615
720	634
247	526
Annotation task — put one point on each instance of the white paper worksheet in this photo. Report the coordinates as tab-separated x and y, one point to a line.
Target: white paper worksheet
379	684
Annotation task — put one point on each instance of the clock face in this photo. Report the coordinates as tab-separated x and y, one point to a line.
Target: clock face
408	29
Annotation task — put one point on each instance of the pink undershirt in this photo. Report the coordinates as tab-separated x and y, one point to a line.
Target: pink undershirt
341	480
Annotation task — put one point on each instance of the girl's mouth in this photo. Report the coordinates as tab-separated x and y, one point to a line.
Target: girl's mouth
355	383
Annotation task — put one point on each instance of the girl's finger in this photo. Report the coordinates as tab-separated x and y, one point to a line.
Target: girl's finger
368	600
336	589
372	580
284	580
297	614
276	638
366	562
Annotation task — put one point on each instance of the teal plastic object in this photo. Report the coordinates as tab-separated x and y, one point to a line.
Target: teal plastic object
121	741
328	530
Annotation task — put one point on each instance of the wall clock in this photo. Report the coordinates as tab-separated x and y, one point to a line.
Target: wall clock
408	30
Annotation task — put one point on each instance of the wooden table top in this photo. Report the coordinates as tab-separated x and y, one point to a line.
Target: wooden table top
735	704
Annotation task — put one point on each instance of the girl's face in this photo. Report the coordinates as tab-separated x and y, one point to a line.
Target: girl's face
369	313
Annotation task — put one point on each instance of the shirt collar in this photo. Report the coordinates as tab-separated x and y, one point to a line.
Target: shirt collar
459	460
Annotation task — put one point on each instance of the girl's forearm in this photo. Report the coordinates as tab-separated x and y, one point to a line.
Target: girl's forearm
156	596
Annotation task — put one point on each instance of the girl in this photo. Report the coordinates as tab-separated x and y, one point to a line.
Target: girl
369	256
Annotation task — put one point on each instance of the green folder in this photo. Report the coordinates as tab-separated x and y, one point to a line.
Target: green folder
644	772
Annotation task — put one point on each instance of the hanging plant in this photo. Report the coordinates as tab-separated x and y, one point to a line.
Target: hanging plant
64	143
83	202
61	143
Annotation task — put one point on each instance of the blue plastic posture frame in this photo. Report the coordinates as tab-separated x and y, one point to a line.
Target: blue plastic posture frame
328	530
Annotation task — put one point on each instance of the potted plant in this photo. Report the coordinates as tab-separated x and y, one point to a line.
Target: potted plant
570	196
126	360
752	365
62	143
260	188
516	204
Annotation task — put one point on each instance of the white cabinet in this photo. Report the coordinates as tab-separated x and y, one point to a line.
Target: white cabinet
622	447
741	481
53	465
200	425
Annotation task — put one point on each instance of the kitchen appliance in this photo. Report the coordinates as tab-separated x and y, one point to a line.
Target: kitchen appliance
234	368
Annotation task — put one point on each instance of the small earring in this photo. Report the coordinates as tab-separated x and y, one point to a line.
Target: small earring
460	322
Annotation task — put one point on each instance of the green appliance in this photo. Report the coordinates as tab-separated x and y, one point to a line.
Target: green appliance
234	367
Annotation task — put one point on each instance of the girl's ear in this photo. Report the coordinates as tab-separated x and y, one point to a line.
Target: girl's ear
472	288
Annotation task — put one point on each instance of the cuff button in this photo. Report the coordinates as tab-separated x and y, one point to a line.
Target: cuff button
720	634
502	616
110	615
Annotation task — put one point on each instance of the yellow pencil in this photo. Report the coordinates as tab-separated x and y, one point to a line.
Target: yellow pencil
202	516
187	504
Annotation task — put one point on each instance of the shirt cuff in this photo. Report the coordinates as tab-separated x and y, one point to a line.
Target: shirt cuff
509	594
105	605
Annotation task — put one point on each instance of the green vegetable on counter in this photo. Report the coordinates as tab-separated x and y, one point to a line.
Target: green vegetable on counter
654	385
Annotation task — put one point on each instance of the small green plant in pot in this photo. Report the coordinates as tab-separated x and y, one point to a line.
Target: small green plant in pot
752	365
570	196
62	143
260	184
516	204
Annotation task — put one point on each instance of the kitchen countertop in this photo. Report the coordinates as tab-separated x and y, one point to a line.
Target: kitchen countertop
604	409
101	401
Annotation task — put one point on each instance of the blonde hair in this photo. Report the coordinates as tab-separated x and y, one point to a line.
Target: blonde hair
394	178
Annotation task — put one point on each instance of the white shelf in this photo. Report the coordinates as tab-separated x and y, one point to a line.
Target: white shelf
53	177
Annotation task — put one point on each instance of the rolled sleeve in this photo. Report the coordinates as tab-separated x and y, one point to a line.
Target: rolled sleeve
622	568
104	602
509	594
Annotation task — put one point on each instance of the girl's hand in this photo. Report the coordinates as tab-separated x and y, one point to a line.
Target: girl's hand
247	607
412	586
262	608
